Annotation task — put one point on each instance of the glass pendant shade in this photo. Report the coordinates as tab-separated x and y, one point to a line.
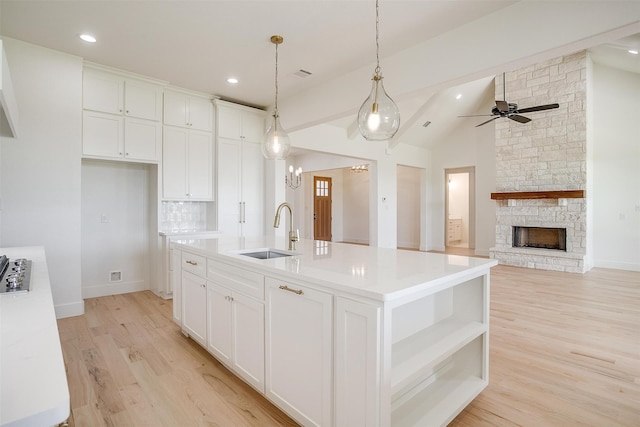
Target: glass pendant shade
276	143
378	117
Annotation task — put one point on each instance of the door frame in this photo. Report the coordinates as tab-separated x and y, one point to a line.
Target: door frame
471	170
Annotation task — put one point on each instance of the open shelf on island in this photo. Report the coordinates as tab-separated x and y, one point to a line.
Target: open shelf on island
415	356
452	386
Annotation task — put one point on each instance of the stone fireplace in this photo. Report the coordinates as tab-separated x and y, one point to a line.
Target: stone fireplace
541	168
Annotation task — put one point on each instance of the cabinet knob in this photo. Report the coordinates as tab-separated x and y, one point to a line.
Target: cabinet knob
127	112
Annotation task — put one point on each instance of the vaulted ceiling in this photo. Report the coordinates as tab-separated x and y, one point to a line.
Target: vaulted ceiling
431	51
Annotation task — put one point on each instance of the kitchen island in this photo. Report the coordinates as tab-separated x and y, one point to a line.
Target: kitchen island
33	380
339	334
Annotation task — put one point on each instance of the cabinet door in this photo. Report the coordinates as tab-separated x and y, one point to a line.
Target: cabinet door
176	286
175	109
299	351
102	135
219	322
229	178
357	358
252	189
248	339
229	122
200	114
142	139
174	163
102	92
194	307
200	165
253	129
143	100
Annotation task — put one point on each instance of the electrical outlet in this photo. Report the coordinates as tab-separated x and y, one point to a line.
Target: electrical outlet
104	218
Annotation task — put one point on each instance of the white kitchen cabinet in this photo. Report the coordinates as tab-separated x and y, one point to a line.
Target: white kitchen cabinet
187	110
236	332
299	367
194	307
187	165
121	119
175	283
240	188
239	122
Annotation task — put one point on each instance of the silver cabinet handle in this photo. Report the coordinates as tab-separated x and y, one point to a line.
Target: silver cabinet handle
191	262
295	291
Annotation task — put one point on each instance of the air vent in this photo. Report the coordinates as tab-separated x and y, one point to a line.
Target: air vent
302	73
425	124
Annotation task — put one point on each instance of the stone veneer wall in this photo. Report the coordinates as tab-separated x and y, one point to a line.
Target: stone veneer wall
548	153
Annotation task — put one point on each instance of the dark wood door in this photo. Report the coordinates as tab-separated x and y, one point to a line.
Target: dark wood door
321	208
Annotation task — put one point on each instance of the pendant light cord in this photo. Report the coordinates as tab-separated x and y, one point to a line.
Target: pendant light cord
275	109
377	70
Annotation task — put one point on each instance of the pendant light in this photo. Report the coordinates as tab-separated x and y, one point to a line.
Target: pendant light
276	143
378	117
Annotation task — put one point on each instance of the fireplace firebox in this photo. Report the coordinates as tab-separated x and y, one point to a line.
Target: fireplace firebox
540	238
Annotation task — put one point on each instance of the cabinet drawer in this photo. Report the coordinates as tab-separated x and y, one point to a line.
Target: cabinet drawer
194	263
247	282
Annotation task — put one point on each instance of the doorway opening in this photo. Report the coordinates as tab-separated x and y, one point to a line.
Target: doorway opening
459	227
321	208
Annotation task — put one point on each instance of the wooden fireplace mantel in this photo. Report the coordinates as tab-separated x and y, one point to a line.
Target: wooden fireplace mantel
559	194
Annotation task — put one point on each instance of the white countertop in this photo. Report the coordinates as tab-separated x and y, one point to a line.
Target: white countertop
378	273
178	234
33	380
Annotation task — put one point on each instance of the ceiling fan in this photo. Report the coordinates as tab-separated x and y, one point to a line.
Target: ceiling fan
511	110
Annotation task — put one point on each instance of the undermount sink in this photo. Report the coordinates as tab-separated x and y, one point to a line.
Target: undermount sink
266	254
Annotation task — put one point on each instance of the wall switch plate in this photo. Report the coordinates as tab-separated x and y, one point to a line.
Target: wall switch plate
104	218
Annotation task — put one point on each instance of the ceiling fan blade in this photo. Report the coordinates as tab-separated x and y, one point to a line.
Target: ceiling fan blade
478	115
538	108
520	119
490	120
502	106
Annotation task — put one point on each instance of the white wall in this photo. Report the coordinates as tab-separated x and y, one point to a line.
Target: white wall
356	206
467	146
409	199
115	226
40	170
616	160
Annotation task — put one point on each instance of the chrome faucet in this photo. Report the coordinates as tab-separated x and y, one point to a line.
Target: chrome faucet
294	236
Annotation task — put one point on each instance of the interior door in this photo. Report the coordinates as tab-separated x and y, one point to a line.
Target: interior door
321	208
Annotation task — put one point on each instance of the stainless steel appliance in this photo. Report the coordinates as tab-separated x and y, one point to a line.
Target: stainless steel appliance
15	275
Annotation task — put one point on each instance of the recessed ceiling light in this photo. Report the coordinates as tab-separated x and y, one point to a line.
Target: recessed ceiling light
232	80
633	51
458	96
88	38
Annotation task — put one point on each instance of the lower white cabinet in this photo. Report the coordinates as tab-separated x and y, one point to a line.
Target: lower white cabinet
175	283
236	332
194	307
299	358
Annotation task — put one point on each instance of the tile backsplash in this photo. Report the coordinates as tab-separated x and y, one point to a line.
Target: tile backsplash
187	216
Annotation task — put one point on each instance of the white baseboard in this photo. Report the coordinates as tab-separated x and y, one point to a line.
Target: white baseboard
482	252
615	265
69	310
113	289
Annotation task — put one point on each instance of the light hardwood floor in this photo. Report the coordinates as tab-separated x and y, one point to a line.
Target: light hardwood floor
565	351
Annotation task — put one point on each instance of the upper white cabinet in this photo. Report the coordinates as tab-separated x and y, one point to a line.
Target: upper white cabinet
185	110
187	164
121	118
239	122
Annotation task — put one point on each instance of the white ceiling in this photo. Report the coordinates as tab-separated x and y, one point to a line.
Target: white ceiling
198	44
